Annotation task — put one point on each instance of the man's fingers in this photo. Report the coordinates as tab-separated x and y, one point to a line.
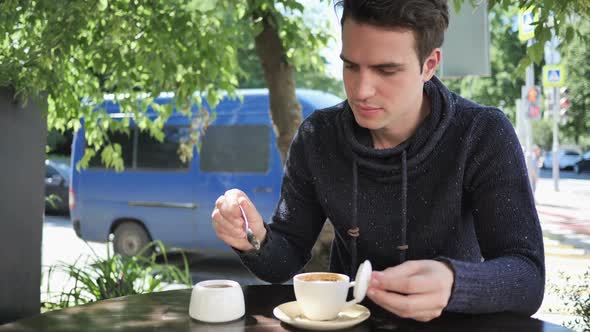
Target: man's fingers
230	211
402	278
222	225
219	202
413	284
226	208
250	211
232	197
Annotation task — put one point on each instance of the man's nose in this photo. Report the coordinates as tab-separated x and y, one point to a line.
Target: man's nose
365	87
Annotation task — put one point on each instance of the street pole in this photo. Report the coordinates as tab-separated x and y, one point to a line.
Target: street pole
529	83
556	138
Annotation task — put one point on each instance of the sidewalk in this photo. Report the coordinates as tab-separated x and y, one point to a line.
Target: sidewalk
565	215
565	220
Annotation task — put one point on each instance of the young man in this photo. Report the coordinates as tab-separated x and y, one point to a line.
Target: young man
430	187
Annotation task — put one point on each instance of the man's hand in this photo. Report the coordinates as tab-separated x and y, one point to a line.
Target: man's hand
229	224
418	290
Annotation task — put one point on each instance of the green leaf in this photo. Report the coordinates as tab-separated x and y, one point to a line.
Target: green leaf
569	34
258	27
536	52
457	5
103	5
88	154
202	5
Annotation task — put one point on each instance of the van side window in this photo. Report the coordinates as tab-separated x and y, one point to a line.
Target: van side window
153	154
237	148
143	152
126	142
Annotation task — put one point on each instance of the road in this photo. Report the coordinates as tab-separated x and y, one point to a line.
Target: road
564	174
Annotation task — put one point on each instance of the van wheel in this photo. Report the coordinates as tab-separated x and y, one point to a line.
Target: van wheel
130	238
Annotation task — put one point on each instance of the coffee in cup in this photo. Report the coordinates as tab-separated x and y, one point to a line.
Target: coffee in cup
321	276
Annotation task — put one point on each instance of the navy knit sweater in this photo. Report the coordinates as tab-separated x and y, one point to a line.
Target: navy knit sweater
456	191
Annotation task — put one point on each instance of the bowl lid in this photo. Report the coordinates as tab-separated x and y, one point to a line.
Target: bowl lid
363	277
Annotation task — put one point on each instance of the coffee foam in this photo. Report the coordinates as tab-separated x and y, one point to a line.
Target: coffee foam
321	277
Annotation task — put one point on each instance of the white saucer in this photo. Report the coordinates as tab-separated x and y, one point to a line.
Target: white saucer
290	313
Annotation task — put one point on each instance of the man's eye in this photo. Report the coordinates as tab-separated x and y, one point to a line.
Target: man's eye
349	66
386	72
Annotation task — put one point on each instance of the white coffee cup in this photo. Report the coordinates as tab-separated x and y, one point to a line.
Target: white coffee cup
216	301
322	295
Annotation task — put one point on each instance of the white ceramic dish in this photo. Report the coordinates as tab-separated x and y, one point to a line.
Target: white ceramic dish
290	313
216	301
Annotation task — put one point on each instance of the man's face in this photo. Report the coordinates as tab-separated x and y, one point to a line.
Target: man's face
382	76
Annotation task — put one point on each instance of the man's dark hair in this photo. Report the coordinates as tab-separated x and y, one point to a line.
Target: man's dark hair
428	19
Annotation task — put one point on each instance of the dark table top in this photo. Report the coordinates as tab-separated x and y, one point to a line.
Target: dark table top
168	311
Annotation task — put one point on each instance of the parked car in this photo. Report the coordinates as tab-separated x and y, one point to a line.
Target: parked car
159	197
583	165
567	159
57	184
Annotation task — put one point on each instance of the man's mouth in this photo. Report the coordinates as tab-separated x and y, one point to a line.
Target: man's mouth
367	109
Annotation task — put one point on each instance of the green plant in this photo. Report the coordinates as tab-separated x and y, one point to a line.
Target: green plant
115	276
576	297
53	200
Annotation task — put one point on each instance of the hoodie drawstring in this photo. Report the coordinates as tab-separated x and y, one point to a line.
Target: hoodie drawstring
354	232
403	247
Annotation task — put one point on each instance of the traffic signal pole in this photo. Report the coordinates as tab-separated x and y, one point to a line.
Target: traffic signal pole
556	138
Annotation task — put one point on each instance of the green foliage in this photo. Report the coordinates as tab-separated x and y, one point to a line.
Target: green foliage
550	15
543	133
301	40
576	297
103	278
298	31
310	78
575	56
73	52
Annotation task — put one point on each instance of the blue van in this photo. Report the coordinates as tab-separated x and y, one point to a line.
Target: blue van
158	196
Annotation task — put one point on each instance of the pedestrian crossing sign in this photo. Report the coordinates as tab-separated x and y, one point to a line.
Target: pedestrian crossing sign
526	29
554	76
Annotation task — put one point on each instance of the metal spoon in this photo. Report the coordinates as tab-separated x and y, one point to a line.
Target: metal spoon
249	234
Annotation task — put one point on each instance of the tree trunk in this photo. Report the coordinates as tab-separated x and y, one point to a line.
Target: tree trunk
285	110
285	113
23	131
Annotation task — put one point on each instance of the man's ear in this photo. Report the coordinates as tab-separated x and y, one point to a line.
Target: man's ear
430	64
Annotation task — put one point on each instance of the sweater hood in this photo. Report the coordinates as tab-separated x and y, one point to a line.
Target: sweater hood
386	164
